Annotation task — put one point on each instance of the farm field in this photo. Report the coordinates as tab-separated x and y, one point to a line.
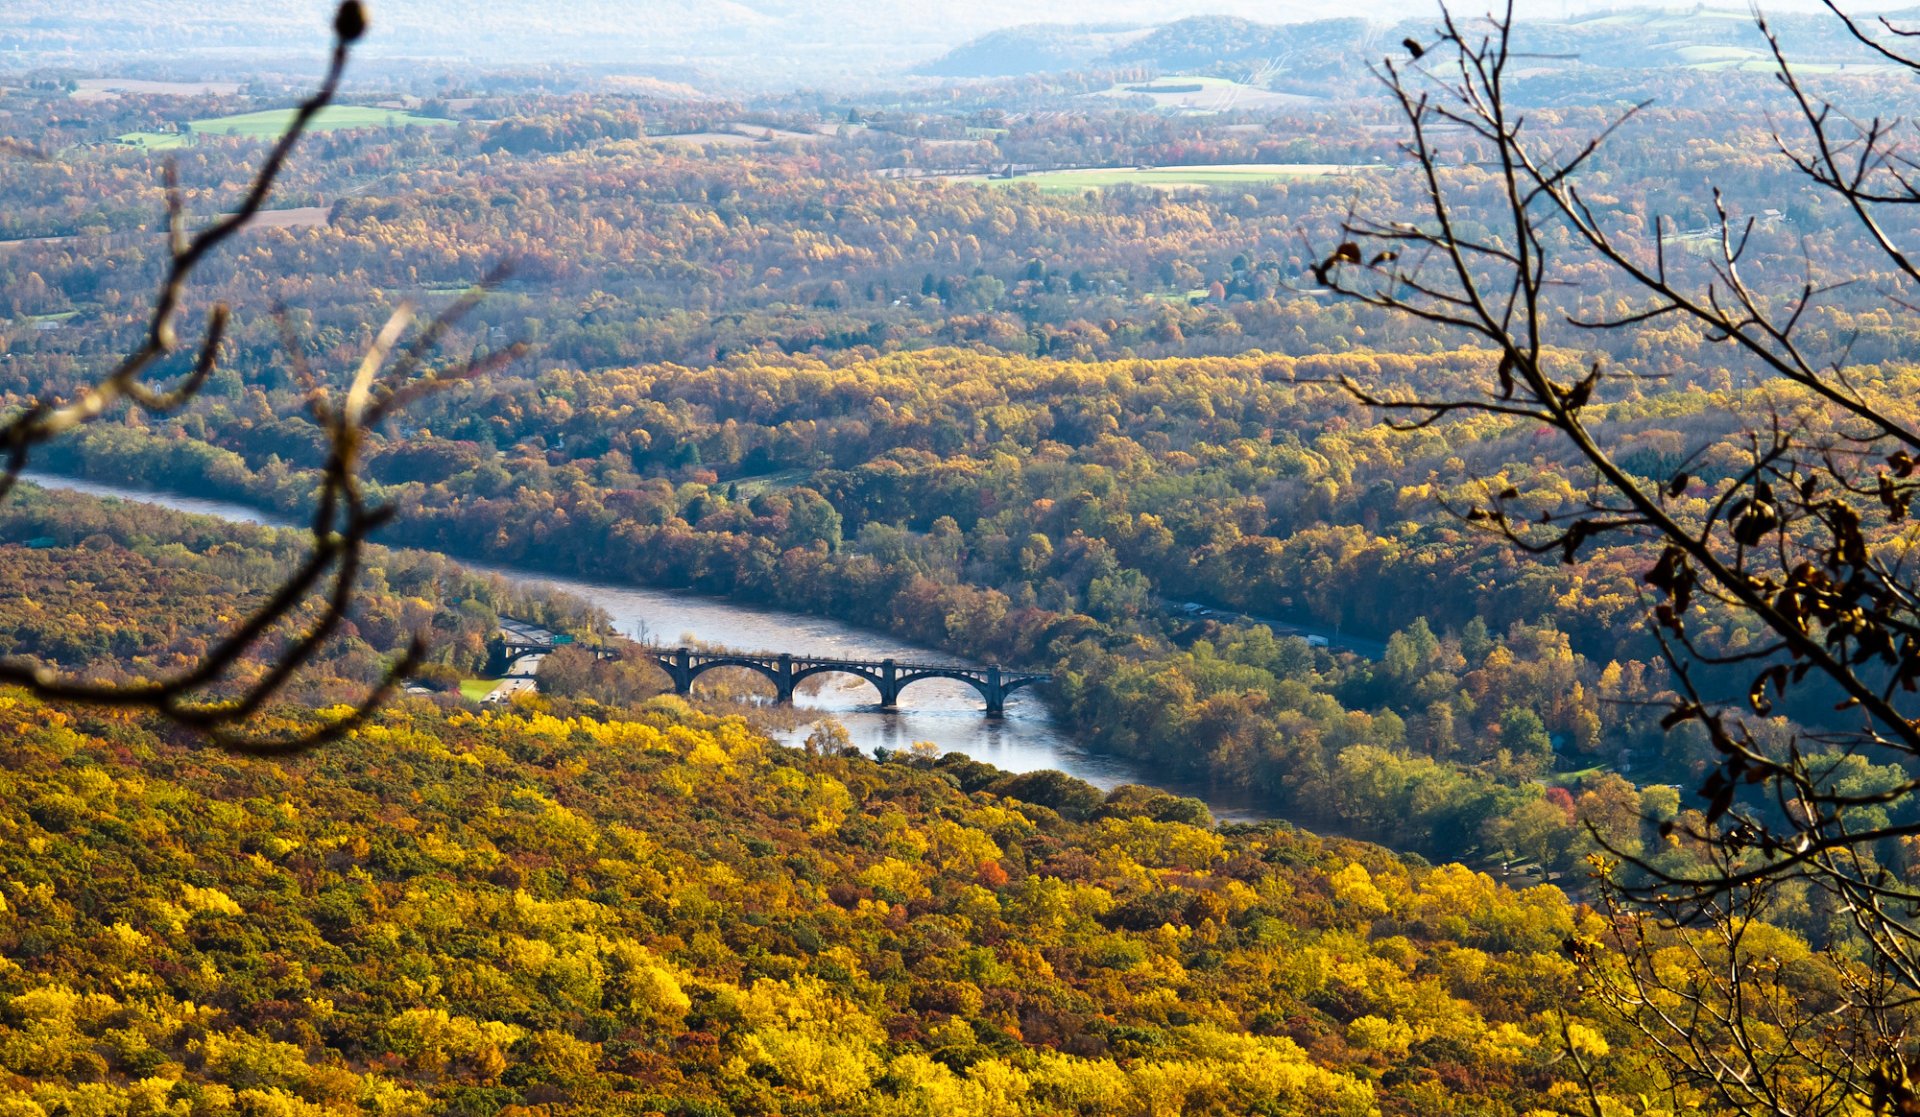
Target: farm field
1173	178
298	217
749	487
269	123
744	135
475	690
100	89
1762	65
1196	94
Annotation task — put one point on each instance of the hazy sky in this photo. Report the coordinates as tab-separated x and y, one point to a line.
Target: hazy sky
777	41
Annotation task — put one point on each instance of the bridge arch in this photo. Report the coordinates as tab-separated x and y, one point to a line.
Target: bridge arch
888	677
993	683
698	669
503	654
977	683
879	684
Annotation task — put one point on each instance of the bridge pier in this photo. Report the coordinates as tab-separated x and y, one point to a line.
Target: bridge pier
889	684
680	669
996	694
783	681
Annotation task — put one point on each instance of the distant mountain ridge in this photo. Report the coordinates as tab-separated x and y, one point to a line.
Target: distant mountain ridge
750	40
1699	37
1035	48
842	42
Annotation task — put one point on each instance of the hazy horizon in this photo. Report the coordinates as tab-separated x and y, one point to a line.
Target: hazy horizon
751	42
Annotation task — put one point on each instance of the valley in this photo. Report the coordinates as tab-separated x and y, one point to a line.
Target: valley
795	558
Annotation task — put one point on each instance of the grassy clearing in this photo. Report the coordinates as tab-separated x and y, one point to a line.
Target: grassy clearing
1767	66
1703	55
1572	780
1662	20
1171	178
742	133
749	487
473	690
155	88
1200	94
272	123
157	141
702	139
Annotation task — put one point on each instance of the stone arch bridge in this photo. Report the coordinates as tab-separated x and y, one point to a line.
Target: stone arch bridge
785	671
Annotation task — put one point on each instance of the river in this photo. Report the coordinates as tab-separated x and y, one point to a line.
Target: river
941	711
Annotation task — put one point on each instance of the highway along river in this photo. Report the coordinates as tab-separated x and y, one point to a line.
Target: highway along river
944	712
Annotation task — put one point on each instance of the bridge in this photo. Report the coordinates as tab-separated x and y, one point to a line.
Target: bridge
518	639
785	672
889	677
505	650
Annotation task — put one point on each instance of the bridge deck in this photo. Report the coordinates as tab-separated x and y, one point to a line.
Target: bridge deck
822	660
683	665
529	646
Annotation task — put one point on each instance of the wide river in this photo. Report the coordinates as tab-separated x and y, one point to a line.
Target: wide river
944	712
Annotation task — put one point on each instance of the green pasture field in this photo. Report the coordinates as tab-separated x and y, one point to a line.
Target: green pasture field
1168	178
1187	93
157	141
1177	87
749	487
271	123
1767	66
1572	780
1662	20
1712	55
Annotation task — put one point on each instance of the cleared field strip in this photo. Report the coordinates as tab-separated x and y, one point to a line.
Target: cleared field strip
745	135
1205	95
299	217
106	89
1221	175
272	123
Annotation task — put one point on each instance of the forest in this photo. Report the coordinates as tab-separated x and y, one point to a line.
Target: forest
568	907
1015	424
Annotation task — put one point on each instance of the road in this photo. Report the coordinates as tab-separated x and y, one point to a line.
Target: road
524	673
1336	641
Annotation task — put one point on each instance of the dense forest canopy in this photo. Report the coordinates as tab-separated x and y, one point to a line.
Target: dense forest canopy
653	909
1012	421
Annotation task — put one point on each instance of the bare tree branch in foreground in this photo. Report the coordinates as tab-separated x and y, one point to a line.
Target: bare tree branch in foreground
308	608
1808	542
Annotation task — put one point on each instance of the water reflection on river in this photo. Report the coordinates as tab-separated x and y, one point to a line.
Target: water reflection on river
945	712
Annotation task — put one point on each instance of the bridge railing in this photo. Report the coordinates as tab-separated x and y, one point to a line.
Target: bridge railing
823	660
520	647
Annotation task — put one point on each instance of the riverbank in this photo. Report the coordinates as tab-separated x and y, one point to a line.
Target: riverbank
944	713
